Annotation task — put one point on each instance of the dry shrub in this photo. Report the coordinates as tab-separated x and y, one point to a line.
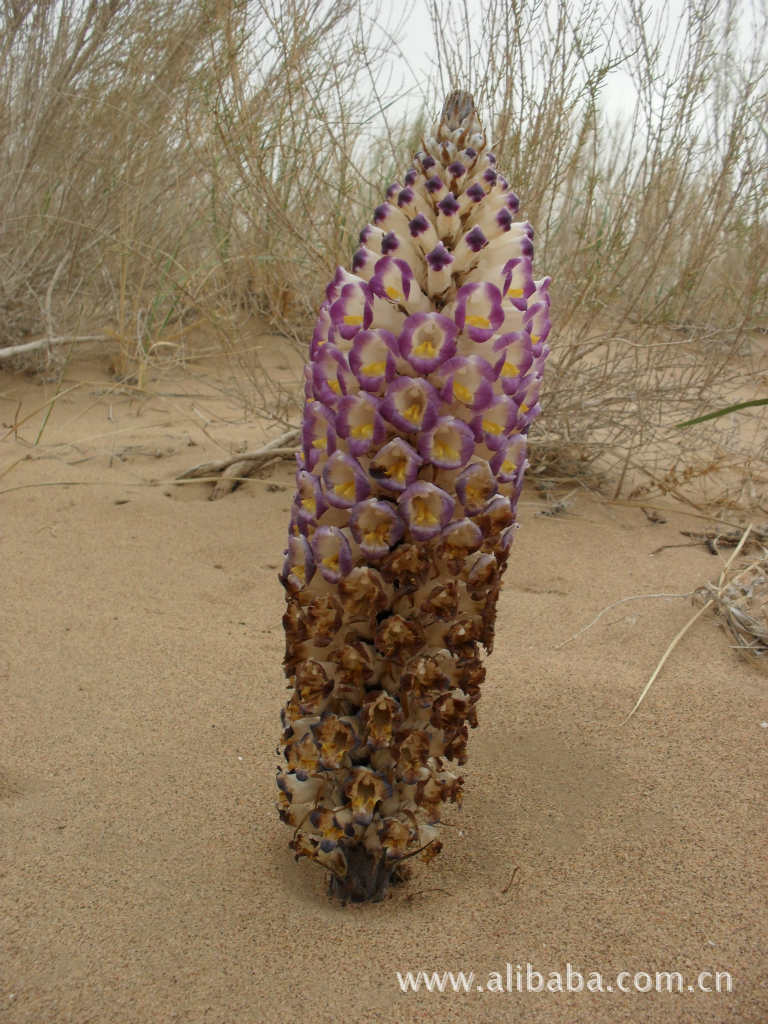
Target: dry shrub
655	228
175	163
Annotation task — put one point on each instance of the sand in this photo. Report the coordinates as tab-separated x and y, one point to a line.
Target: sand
145	875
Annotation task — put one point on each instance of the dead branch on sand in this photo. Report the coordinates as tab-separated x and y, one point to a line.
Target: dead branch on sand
232	470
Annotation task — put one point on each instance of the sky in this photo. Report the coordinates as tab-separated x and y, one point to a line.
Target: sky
618	93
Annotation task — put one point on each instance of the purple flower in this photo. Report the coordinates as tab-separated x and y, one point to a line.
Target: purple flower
495	215
318	433
512	244
427	340
426	509
509	460
439	261
364	262
457	170
411	404
436	188
359	422
413	205
395	466
423	232
341	278
389	218
467	249
299	564
538	310
323	331
479	312
331	552
518	281
310	503
344	481
450	444
515	349
495	422
353	310
376	526
372	358
468	380
528	407
473	195
393	281
475	486
439	258
331	376
370	237
448	219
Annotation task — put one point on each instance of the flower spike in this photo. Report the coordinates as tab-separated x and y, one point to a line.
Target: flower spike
424	378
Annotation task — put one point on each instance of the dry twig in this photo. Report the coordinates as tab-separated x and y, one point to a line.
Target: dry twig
231	471
718	592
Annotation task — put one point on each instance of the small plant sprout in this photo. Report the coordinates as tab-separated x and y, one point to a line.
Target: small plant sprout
424	377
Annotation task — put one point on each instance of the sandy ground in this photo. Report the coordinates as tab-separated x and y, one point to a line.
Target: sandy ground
145	876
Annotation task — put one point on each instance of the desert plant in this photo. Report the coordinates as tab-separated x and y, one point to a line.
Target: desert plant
424	376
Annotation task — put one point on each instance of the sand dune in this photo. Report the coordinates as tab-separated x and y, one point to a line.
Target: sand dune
145	875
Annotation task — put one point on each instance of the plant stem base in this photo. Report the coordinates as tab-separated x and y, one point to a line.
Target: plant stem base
367	879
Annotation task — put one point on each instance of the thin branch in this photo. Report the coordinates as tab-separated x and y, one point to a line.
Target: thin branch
31	346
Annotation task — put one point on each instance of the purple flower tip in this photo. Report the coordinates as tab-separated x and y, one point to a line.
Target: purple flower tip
475	239
390	242
456	169
439	258
448	205
418	225
504	219
435	184
475	192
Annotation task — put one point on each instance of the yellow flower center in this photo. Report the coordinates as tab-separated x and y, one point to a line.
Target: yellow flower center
397	470
478	321
374	369
462	393
379	535
510	370
334	386
332	562
353	319
491	427
414	411
319	442
516	293
422	513
426	345
363	430
345	490
443	450
394	293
